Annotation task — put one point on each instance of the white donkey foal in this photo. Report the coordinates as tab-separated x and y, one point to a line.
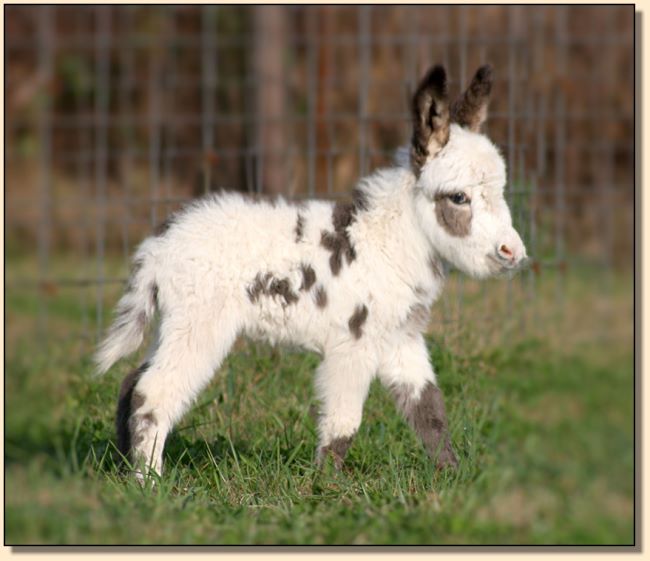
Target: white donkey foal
353	281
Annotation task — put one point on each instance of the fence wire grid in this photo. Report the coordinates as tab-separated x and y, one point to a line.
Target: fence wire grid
117	115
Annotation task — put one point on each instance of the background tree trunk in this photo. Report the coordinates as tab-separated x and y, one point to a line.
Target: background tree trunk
270	96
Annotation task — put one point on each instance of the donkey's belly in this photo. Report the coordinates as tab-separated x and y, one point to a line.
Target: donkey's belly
278	324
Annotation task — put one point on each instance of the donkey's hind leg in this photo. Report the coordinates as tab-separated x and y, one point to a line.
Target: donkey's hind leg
154	397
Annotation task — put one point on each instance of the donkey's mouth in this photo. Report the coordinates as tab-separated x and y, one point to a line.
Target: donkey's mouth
499	266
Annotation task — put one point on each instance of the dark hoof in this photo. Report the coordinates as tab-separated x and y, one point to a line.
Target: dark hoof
325	454
447	460
337	449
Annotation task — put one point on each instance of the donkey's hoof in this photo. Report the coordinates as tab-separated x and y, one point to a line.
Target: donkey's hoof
447	461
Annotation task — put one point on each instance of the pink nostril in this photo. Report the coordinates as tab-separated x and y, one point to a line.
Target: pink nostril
506	252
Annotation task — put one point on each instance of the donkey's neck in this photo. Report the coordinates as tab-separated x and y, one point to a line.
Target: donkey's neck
391	225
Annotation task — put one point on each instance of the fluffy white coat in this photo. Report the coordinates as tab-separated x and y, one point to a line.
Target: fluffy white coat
228	265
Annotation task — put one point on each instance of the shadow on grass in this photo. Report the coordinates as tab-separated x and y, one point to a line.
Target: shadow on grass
89	447
184	452
64	449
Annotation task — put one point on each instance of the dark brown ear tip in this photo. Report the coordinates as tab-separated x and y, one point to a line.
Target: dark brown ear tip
484	73
436	78
437	71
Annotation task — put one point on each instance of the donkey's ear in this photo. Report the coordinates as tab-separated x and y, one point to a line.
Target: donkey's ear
430	108
470	109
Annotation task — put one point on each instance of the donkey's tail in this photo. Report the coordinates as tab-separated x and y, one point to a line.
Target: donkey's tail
133	312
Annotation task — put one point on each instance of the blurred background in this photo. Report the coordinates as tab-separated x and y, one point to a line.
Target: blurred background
115	116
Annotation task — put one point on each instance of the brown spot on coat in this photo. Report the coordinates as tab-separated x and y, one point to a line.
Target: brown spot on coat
338	242
338	448
337	245
342	215
455	219
357	319
139	423
321	297
470	109
268	285
428	418
138	426
360	199
308	276
137	401
282	288
128	402
259	286
300	228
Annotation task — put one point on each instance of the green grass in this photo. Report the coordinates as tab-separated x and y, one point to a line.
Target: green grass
544	435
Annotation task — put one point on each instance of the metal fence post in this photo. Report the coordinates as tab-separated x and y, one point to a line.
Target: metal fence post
102	82
46	48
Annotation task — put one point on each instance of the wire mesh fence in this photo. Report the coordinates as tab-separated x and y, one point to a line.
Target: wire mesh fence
116	116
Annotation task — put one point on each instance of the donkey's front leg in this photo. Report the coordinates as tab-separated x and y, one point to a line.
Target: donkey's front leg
342	382
406	370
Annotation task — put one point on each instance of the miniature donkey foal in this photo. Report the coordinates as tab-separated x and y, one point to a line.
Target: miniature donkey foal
353	281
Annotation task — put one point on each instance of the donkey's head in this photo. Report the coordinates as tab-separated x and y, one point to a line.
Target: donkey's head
461	178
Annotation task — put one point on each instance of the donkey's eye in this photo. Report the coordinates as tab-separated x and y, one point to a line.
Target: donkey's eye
459	198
